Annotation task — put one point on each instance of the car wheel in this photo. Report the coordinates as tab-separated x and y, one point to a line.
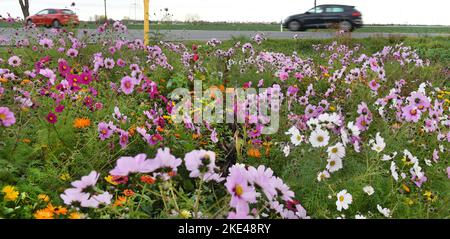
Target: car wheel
294	26
29	22
346	26
56	24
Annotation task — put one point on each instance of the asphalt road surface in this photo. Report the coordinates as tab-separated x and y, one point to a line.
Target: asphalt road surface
179	35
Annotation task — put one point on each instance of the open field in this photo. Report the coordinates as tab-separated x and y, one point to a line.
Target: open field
363	128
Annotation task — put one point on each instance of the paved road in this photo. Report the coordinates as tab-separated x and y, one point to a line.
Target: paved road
178	35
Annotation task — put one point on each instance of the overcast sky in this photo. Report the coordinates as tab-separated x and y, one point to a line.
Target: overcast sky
429	12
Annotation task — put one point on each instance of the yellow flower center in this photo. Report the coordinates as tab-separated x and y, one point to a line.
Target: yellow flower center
320	138
2	116
238	190
334	150
341	198
332	163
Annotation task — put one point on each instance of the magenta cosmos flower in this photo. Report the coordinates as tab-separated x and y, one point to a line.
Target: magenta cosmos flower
239	188
6	117
127	165
202	163
14	61
51	118
127	85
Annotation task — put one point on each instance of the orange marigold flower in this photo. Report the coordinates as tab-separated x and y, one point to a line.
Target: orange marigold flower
59	210
120	201
254	153
172	173
81	123
128	192
147	179
45	213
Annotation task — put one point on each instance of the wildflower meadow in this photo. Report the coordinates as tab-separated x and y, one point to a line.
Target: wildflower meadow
92	126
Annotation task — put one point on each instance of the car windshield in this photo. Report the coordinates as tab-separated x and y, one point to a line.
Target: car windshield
316	10
43	12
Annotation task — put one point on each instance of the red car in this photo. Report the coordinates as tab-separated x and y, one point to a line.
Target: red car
53	17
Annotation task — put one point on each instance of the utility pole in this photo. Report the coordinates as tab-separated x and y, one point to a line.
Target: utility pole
315	3
146	23
106	17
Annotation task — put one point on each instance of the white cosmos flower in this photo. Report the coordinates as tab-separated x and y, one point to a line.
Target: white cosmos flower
369	190
297	138
385	211
292	130
323	175
319	138
378	144
312	123
336	151
359	216
334	164
353	129
286	150
389	157
394	171
343	200
344	136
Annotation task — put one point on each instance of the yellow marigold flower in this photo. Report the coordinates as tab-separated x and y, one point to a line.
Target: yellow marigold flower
110	180
64	176
11	194
3	80
332	108
44	197
74	215
44	214
185	214
409	201
81	123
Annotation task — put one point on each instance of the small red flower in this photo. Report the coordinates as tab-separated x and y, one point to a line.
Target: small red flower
195	58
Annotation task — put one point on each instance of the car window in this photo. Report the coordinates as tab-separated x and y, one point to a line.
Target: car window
43	12
316	10
68	12
334	10
52	11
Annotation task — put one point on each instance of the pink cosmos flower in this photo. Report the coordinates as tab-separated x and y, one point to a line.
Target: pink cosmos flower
86	181
448	172
105	130
14	61
419	100
242	212
72	53
238	186
127	85
283	75
374	85
45	42
109	63
411	113
123	138
127	165
164	160
263	177
6	117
